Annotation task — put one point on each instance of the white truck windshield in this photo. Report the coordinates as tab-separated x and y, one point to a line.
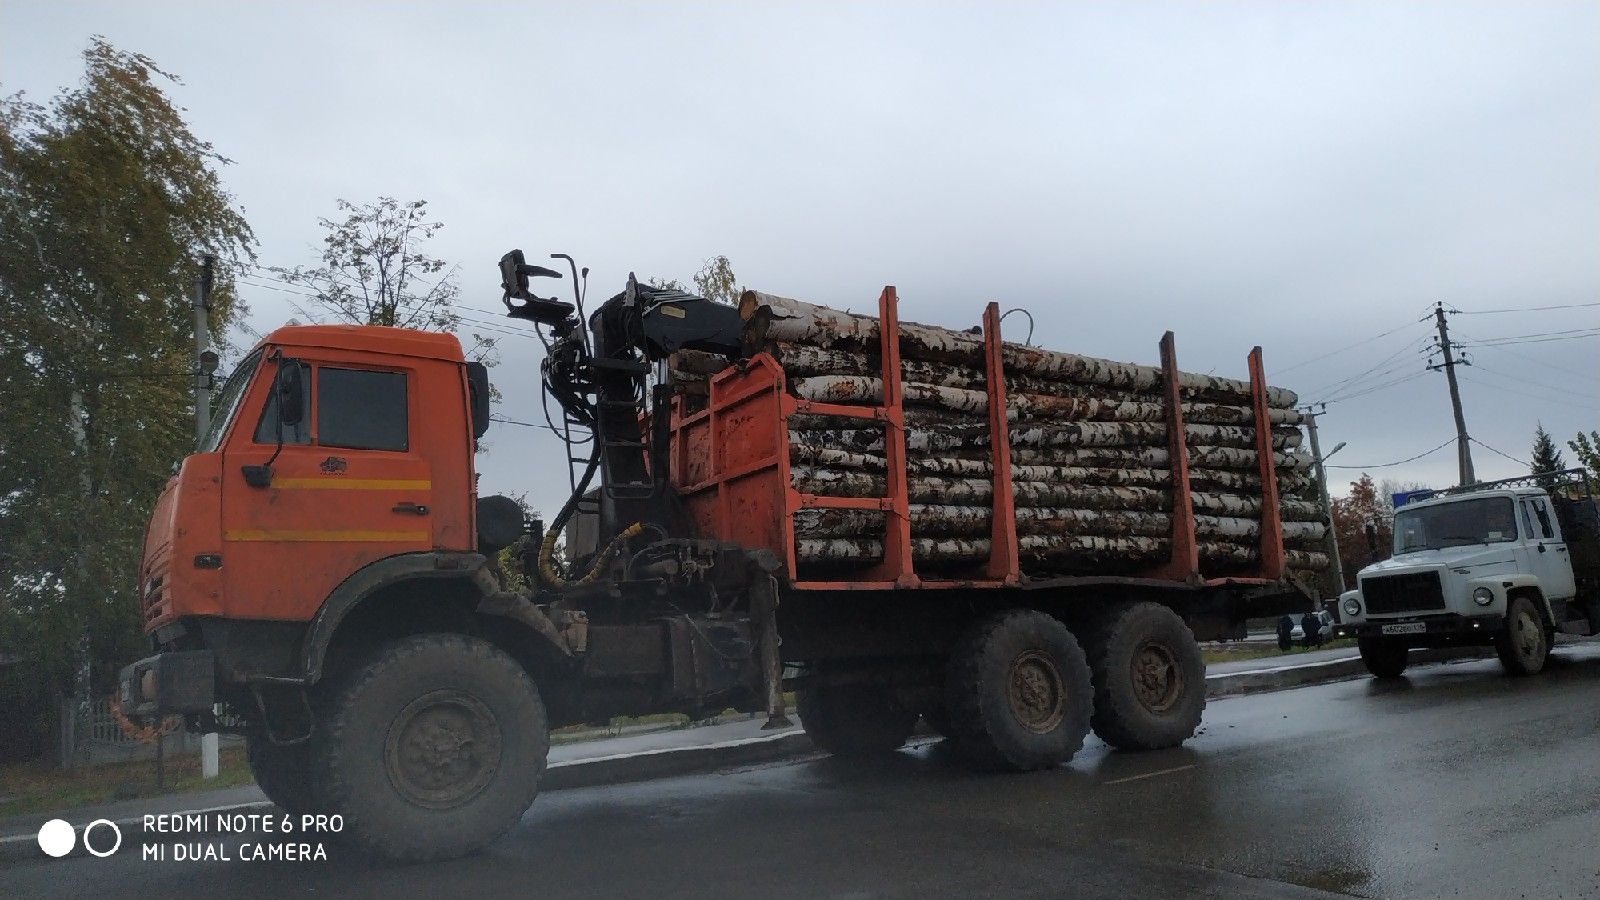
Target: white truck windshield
1486	520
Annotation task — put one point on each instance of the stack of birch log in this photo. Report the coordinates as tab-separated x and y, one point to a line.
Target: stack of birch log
1089	451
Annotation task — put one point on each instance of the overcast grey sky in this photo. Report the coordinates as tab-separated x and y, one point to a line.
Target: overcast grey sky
1299	175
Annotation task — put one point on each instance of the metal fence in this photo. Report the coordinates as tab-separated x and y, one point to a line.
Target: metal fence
90	736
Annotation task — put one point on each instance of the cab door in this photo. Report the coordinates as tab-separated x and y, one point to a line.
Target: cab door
347	488
1548	557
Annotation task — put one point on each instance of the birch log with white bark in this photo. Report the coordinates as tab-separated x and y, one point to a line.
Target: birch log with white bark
772	318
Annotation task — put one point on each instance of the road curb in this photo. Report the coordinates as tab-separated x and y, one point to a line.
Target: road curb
1277	678
788	744
670	761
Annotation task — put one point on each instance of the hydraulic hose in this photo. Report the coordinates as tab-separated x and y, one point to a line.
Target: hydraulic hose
547	569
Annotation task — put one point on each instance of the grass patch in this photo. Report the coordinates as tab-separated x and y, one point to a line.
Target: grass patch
1239	652
38	786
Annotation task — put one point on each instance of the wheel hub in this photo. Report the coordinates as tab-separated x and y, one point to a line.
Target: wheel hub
442	749
1036	692
1529	636
1157	678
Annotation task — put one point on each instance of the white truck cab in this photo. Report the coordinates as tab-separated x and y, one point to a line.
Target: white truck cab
1508	563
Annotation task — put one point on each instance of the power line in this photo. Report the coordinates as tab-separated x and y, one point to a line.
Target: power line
1521	462
1548	387
1375	388
1485	312
1541	340
1553	401
1526	358
1536	334
1399	462
505	328
1369	340
1347	383
505	421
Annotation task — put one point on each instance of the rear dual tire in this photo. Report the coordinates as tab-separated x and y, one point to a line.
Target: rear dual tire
1149	677
1017	692
855	720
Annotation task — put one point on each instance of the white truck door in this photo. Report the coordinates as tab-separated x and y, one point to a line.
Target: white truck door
1547	554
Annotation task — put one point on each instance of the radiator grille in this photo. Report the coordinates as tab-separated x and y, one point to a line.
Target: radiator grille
1417	591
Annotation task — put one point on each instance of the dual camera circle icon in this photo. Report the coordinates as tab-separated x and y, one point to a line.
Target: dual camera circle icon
57	838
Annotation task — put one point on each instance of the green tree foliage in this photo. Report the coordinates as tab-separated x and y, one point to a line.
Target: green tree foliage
107	202
375	271
1546	458
1587	448
714	281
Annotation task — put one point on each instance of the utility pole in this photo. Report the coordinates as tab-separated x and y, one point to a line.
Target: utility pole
1463	447
1331	539
205	362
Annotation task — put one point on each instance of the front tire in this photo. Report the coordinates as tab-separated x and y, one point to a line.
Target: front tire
1384	658
1524	645
1018	692
855	719
283	772
432	749
1149	677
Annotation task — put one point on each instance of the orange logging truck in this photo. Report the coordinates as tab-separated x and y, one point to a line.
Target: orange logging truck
322	578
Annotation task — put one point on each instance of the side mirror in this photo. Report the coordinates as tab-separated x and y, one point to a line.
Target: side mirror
478	397
291	392
1372	538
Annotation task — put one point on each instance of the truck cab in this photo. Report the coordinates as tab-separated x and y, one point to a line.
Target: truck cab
1508	564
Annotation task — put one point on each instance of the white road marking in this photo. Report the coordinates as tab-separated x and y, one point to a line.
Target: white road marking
1150	774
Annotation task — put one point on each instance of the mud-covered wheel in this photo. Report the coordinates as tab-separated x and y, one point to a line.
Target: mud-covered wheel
1524	645
1149	677
854	719
1384	658
283	772
1017	692
432	749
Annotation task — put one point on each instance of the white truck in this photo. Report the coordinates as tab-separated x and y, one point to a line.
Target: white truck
1509	563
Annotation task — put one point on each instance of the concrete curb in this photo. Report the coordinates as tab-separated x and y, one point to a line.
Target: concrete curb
1277	678
782	745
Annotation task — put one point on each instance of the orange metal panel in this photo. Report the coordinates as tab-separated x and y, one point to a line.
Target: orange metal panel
1004	564
1271	518
1184	562
897	561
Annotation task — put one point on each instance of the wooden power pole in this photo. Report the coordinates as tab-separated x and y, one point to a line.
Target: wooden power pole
1463	445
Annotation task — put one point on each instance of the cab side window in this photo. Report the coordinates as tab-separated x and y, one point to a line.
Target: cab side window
362	409
1541	511
267	426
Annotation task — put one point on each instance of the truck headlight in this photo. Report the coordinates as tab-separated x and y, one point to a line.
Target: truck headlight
1483	596
1352	606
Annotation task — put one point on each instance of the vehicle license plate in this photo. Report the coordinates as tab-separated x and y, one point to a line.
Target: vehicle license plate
1406	628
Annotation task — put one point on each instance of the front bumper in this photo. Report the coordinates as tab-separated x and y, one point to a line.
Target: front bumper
184	682
1441	629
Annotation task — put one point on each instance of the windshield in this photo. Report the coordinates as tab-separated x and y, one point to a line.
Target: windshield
1487	520
227	403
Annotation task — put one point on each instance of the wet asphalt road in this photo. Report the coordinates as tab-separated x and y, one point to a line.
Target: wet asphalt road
1455	782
